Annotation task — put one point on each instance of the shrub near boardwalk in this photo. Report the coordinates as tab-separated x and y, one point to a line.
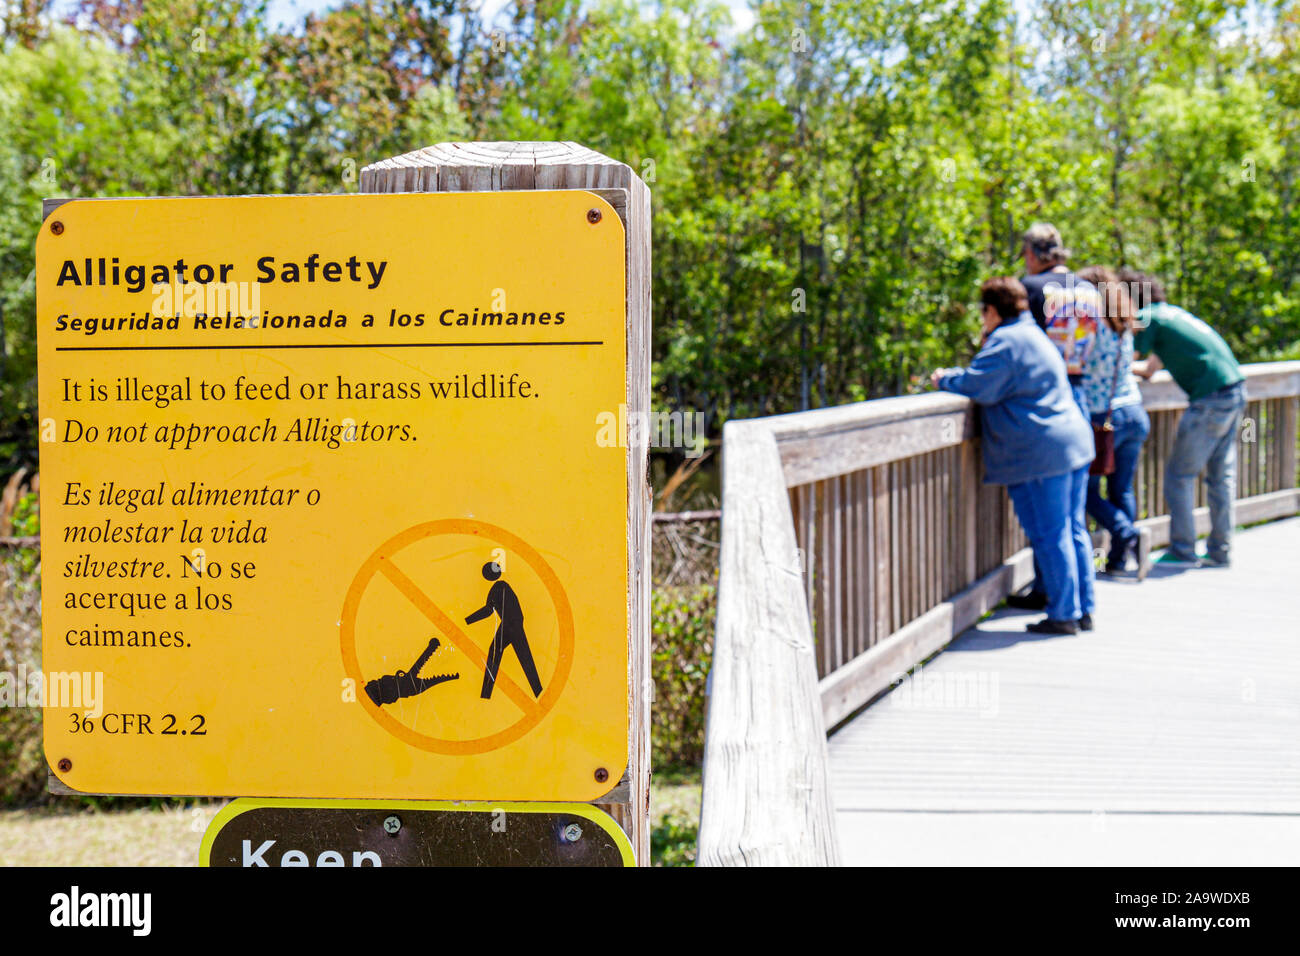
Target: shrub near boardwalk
22	756
682	623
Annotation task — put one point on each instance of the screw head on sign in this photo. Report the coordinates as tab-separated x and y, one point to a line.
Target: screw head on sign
572	833
392	825
65	765
593	216
56	227
601	774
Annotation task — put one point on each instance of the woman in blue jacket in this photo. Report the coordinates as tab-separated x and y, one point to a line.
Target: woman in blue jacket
1036	442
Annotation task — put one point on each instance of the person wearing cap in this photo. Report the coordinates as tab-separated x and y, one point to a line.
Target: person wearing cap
1203	366
1035	441
1068	309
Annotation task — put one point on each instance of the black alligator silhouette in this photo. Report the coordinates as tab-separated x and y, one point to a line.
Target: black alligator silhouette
393	687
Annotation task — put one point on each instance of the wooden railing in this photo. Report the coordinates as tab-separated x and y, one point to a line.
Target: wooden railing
859	540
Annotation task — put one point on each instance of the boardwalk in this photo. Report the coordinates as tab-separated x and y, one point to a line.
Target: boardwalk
1170	735
859	540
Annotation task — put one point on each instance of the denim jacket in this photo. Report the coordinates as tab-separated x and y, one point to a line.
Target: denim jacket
1032	426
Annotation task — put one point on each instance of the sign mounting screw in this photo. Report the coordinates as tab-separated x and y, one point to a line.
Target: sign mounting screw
56	227
65	765
392	825
572	833
593	216
601	774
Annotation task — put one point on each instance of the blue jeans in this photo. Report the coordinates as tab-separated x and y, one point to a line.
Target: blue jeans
1039	586
1206	439
1051	512
1118	510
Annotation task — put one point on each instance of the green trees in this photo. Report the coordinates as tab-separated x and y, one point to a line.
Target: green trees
1190	122
65	130
831	182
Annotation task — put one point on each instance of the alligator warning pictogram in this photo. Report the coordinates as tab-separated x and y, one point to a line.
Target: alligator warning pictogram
398	562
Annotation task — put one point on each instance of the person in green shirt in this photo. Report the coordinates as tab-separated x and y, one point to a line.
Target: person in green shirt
1203	366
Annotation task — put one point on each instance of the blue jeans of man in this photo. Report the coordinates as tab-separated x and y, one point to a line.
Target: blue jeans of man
1206	439
1051	512
1117	511
1039	587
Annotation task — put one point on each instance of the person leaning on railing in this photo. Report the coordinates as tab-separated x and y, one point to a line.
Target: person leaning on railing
1203	366
1036	442
1112	393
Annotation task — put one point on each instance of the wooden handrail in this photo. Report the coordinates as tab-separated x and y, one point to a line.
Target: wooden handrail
1263	380
765	734
909	425
685	517
857	541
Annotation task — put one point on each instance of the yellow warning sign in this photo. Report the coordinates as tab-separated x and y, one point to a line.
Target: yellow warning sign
331	506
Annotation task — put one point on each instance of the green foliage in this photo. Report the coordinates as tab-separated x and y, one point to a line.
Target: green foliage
674	840
22	752
59	105
436	117
22	756
682	620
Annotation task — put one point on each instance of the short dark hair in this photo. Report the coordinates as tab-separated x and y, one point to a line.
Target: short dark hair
1143	289
1006	295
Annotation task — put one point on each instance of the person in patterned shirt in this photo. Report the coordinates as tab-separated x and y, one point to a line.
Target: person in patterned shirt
1113	396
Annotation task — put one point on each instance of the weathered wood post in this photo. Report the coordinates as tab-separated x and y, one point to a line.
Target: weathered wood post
505	166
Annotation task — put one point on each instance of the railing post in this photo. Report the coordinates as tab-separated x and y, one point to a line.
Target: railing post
881	550
971	469
1287	439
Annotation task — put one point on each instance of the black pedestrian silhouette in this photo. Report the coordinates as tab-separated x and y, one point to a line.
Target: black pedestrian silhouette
510	632
393	687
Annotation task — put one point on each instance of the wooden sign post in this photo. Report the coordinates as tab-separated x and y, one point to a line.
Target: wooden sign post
328	511
491	167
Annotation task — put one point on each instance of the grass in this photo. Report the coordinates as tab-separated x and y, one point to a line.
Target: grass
674	817
170	835
155	836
